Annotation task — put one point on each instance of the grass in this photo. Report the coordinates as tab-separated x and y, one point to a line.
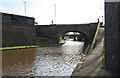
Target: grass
89	48
30	46
62	41
103	57
16	47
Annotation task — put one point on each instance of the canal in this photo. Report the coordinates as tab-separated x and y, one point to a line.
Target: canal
42	61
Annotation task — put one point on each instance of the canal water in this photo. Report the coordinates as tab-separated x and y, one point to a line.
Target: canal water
42	61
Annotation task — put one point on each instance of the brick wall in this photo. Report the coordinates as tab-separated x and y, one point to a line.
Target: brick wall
112	24
119	36
54	32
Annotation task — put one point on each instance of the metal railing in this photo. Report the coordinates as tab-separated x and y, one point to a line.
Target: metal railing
95	38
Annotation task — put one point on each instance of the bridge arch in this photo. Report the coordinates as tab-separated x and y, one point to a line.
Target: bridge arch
80	36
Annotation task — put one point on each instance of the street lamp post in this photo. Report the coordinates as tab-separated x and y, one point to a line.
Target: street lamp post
55	13
25	6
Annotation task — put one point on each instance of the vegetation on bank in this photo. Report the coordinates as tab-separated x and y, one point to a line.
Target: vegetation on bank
30	46
62	41
103	57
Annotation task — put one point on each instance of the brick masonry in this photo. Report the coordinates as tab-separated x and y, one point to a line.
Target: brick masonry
112	37
54	32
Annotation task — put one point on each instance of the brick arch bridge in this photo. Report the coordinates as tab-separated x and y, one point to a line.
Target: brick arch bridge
53	32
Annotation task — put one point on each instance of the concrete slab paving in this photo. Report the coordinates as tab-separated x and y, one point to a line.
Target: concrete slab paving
92	63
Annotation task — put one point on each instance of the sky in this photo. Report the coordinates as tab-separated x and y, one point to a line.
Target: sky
67	11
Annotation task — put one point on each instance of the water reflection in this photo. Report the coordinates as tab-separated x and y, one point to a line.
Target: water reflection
18	62
72	47
44	61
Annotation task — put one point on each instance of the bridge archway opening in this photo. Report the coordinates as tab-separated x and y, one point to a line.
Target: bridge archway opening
73	36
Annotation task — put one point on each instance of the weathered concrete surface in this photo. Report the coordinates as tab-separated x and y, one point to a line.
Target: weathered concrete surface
54	32
112	37
91	66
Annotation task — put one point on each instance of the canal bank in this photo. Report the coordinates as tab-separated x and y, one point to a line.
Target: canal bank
30	46
92	64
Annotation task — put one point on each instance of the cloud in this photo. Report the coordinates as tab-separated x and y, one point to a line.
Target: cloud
2	8
68	11
10	0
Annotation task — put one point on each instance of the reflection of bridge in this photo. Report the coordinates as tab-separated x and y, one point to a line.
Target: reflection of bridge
54	32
